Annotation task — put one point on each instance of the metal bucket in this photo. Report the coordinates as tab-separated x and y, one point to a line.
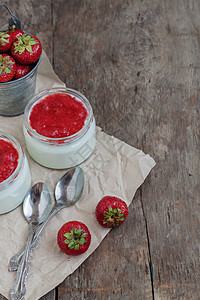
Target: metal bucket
14	95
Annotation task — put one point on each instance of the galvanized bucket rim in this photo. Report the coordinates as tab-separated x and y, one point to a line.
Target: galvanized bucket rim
20	79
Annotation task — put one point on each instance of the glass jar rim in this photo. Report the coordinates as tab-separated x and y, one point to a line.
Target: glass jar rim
7	137
52	91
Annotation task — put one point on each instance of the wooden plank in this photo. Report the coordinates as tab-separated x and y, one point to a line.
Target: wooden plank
144	90
168	112
86	38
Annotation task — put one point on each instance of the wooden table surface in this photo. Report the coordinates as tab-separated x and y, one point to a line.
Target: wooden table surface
138	63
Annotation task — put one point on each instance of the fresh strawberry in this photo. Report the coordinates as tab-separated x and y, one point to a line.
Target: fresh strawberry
111	211
26	49
14	33
22	70
74	238
7	67
5	41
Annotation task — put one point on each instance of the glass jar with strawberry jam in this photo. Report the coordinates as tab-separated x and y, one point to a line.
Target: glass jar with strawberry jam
15	178
59	128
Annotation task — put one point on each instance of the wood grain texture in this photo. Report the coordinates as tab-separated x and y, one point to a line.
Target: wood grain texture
35	18
138	63
119	268
86	41
173	213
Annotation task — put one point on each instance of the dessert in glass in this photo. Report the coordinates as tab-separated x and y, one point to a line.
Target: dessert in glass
15	177
59	128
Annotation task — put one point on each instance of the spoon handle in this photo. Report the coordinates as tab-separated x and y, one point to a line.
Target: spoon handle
18	290
43	225
15	260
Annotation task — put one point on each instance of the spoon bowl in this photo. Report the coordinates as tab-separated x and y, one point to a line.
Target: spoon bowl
69	188
37	204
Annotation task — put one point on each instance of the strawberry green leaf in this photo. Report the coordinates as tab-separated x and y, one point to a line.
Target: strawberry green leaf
82	241
3	42
21	51
33	42
76	247
84	234
71	245
75	238
29	48
78	232
67	235
5	35
7	70
113	216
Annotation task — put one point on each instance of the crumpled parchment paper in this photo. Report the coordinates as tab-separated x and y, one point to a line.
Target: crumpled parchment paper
115	168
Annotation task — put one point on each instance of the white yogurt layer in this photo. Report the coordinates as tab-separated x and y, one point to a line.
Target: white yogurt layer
13	194
62	155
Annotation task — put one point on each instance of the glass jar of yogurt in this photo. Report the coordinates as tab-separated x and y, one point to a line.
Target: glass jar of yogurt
15	177
59	128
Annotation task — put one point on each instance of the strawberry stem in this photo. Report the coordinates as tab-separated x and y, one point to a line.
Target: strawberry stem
75	238
113	216
24	42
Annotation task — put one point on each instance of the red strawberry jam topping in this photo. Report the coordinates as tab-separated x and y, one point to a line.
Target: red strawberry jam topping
58	115
8	159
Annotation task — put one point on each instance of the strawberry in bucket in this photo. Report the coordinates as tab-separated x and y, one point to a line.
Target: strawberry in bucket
26	49
7	68
18	74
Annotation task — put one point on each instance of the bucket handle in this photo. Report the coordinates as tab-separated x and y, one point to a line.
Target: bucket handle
13	20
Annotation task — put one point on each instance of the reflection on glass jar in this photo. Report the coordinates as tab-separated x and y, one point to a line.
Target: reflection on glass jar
59	128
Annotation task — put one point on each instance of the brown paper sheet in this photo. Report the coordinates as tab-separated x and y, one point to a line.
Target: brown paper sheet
114	168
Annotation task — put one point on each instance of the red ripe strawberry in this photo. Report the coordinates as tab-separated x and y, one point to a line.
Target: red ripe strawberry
14	33
26	49
5	41
7	67
74	238
111	211
22	70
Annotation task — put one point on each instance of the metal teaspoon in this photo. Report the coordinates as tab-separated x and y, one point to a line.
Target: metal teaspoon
68	191
36	207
